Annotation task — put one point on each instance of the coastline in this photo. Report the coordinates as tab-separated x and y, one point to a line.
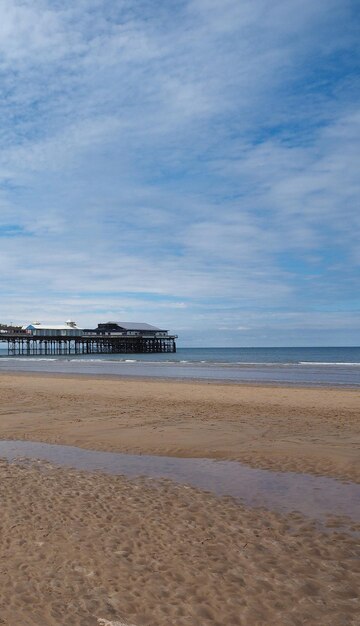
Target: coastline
195	380
305	367
285	428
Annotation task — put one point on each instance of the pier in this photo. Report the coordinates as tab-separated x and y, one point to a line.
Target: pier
21	344
108	338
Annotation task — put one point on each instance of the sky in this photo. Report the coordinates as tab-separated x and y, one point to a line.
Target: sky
191	164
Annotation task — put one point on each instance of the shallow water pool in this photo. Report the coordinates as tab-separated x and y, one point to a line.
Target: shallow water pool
317	497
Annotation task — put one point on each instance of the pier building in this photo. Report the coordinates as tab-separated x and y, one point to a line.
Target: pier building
69	329
128	329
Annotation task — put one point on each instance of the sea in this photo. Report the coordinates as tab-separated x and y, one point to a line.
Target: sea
335	366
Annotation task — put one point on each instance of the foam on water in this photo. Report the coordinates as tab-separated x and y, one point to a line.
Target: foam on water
335	363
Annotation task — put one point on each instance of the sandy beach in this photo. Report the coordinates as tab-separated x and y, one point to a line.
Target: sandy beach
313	430
89	549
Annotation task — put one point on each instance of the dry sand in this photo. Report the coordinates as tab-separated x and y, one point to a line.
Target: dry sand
88	549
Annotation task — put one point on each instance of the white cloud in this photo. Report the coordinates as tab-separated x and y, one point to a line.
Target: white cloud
195	152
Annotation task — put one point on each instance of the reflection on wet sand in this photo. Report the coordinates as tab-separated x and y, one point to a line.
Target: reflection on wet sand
284	492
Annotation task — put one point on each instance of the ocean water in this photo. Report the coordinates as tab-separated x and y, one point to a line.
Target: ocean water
298	366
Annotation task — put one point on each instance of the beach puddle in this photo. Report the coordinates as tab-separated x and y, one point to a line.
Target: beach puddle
317	497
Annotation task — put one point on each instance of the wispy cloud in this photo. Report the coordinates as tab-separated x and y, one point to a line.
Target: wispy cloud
200	156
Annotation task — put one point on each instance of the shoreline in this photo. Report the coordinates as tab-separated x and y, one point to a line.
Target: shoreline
316	367
180	380
284	428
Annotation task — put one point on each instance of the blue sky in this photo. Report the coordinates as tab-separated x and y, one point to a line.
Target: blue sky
190	164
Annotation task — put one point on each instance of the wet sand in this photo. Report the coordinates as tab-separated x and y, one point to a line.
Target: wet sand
78	548
283	428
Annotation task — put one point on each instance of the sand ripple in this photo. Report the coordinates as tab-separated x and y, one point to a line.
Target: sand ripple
93	550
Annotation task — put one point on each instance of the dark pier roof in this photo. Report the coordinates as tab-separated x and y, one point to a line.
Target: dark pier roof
133	326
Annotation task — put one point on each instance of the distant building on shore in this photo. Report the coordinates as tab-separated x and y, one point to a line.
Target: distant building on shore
6	329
